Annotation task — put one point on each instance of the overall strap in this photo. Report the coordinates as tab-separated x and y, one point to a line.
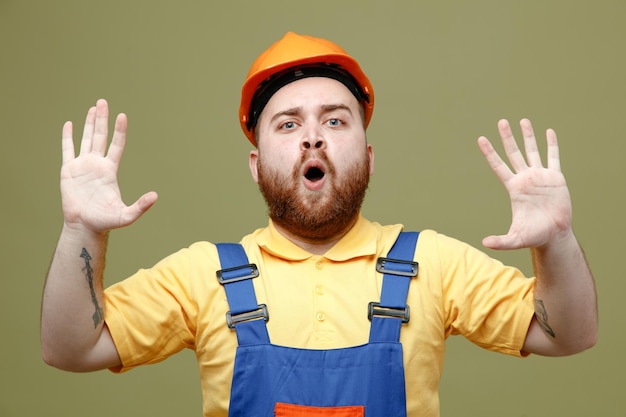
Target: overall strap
246	316
398	268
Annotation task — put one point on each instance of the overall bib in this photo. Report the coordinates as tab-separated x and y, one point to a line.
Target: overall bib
359	381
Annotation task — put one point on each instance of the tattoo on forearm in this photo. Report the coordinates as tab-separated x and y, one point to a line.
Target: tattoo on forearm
542	317
98	315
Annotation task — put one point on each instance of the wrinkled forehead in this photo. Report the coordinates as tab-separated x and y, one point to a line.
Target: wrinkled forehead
314	93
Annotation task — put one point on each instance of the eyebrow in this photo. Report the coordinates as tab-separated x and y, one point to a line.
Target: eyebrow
333	107
288	112
325	109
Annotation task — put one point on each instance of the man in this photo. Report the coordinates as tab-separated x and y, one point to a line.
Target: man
309	347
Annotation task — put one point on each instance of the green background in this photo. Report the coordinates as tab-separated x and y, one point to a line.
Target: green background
444	72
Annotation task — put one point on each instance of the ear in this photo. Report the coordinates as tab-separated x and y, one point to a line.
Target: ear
370	152
252	161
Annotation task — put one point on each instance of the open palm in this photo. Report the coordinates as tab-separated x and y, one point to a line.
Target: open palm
540	200
89	187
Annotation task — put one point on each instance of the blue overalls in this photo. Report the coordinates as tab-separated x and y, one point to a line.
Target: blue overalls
365	380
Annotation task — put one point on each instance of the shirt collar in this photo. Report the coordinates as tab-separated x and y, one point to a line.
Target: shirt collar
359	241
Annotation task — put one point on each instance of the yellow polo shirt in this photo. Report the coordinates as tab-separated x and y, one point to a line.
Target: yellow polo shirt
320	302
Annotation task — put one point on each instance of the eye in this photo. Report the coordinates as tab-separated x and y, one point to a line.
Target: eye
334	122
288	125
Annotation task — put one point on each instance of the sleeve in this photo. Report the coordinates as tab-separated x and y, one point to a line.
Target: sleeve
152	314
489	303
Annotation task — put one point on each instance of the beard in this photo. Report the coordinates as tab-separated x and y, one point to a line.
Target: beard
315	215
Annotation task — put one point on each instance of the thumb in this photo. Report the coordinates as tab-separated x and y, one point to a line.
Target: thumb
501	242
146	201
139	207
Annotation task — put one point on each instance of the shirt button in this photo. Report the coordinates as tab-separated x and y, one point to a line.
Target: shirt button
320	316
319	264
319	290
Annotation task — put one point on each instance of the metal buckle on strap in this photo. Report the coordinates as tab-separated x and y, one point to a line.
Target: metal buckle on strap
225	276
385	266
374	309
260	313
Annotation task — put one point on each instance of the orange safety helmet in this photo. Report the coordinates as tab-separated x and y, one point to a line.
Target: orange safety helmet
318	57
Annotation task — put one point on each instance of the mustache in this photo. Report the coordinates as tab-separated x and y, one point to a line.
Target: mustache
316	216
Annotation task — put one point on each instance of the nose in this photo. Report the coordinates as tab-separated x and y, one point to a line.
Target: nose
313	139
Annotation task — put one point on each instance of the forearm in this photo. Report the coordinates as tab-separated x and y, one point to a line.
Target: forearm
72	320
565	297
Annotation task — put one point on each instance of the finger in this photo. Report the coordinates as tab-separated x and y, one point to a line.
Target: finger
501	242
139	207
554	160
118	142
100	135
530	144
146	201
496	163
518	163
86	141
67	143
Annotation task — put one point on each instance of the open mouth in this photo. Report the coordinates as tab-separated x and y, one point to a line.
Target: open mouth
314	174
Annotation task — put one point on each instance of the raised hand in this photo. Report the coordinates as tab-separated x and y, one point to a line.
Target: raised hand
89	188
540	201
